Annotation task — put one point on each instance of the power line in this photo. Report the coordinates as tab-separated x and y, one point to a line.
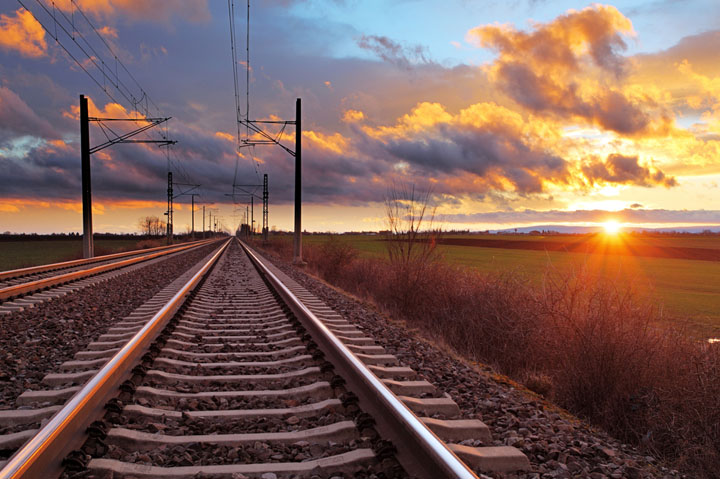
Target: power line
108	80
242	142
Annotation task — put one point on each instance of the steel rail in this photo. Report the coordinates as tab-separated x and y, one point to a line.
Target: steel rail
14	273
420	451
18	289
42	455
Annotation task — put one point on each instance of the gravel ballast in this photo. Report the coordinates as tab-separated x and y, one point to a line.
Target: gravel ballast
34	342
557	444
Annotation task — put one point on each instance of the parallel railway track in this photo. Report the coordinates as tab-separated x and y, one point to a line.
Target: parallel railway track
23	288
236	370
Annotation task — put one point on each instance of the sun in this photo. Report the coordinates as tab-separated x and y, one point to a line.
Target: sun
611	227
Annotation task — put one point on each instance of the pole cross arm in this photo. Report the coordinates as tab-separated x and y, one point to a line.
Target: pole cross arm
266	138
125	138
187	192
149	120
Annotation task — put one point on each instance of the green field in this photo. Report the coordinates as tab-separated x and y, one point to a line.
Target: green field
688	290
21	254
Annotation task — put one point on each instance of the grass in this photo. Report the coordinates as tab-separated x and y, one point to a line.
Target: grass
22	254
688	290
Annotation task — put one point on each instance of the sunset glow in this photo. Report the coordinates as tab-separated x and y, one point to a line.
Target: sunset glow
611	227
537	114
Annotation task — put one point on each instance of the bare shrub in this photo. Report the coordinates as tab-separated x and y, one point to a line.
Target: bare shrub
539	383
684	422
601	349
280	245
334	257
411	244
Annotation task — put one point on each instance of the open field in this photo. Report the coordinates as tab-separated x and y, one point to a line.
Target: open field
688	289
21	254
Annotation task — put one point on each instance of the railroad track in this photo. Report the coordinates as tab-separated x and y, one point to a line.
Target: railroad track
26	287
235	370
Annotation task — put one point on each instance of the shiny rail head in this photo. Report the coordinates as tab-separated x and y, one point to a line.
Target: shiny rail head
50	445
431	446
33	286
42	268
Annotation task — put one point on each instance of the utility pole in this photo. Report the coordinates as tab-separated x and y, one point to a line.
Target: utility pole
193	195
265	208
252	216
86	151
170	209
203	221
298	185
88	246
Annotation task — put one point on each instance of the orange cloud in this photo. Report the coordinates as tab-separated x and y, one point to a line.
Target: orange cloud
225	136
137	204
622	169
335	142
110	110
16	205
158	10
489	147
351	116
23	34
571	68
108	31
485	146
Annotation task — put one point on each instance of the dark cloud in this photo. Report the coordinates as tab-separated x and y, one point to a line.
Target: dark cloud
405	57
17	118
621	169
452	150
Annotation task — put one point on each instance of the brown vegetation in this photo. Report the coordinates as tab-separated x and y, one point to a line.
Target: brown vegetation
588	343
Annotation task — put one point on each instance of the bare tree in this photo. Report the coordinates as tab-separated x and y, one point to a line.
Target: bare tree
151	226
409	215
411	240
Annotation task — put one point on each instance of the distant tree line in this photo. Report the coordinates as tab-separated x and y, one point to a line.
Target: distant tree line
152	226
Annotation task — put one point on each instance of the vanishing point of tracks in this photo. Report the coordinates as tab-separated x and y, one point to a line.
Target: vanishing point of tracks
234	370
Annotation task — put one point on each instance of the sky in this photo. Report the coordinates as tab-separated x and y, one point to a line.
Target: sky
509	113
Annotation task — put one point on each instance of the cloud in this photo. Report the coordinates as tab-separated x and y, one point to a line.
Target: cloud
621	169
404	57
23	34
641	216
571	68
493	144
108	32
154	10
17	118
352	116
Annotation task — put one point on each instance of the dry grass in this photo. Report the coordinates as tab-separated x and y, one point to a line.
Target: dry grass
582	341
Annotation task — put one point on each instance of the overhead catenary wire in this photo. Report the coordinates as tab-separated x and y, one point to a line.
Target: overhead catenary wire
239	114
102	64
109	81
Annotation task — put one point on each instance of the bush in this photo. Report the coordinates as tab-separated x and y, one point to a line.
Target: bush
334	257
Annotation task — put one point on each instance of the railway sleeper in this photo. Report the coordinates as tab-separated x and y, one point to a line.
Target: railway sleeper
316	390
486	458
305	410
346	463
175	353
